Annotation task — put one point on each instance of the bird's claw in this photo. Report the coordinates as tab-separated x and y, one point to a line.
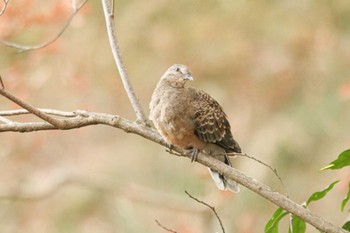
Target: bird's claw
193	152
170	147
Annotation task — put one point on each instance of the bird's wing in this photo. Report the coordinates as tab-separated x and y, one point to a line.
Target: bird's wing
211	124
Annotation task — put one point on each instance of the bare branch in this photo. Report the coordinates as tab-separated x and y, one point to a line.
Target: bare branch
74	5
24	48
210	207
45	110
109	16
4	7
5	120
83	118
1	83
91	118
274	170
165	228
266	192
58	123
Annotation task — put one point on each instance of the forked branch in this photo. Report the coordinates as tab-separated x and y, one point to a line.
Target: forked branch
90	118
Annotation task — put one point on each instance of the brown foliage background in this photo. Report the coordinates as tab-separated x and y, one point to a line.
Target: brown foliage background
279	68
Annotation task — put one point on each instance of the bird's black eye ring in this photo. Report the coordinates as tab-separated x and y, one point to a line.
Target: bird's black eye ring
177	69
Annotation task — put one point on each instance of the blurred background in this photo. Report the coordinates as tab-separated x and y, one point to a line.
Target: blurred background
280	69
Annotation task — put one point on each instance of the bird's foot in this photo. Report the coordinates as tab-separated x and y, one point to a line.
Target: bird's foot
170	147
170	150
193	152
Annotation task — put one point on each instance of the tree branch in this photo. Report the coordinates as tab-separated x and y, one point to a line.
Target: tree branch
5	120
58	123
210	207
109	16
24	48
261	189
80	118
266	192
4	7
164	227
274	170
45	110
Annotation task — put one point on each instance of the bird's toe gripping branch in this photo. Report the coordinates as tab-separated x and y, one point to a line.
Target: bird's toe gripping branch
193	152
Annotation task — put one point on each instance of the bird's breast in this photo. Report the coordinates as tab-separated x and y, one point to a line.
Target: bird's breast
172	115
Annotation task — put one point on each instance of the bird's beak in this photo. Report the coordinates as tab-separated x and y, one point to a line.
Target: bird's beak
188	77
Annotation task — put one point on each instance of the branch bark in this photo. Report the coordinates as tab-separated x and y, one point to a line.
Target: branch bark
92	118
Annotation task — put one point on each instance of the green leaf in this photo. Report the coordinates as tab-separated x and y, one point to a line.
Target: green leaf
298	225
346	199
272	224
342	161
319	195
346	226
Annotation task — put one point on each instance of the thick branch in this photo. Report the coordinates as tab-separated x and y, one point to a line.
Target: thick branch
91	118
266	192
109	15
81	118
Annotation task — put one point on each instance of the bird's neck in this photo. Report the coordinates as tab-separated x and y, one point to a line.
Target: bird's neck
177	85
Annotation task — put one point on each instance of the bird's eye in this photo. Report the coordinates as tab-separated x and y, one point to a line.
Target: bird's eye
177	69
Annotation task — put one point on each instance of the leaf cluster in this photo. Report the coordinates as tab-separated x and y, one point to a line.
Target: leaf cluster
298	225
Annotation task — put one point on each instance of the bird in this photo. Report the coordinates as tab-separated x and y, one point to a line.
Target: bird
191	119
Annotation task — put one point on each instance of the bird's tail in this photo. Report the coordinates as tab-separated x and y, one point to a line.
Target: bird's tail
222	182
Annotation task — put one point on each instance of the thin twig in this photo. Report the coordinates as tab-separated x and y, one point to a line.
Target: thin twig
24	48
5	120
4	7
1	83
165	228
112	7
274	170
109	16
210	207
45	110
291	223
74	6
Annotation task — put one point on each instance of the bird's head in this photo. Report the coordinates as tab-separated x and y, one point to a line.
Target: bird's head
177	75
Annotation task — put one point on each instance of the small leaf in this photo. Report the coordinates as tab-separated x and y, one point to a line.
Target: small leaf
272	224
319	195
298	225
342	161
346	226
346	199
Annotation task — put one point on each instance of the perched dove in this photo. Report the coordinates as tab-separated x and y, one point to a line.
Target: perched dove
191	119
